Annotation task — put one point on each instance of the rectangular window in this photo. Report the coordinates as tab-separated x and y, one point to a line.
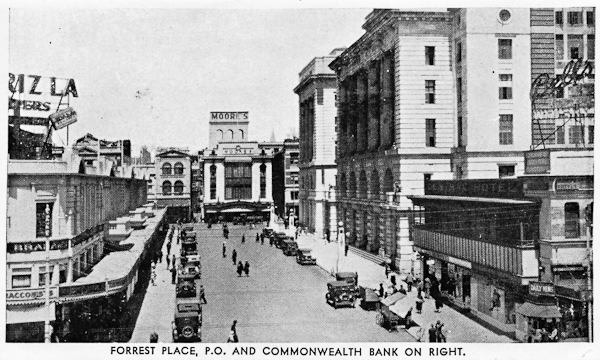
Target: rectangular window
238	181
571	220
505	77
575	44
322	176
505	93
430	132
430	91
506	171
559	45
21	281
590	134
459	90
560	135
294	195
458	53
575	18
504	48
429	55
43	219
575	135
460	131
558	17
591	47
42	275
506	129
589	18
559	92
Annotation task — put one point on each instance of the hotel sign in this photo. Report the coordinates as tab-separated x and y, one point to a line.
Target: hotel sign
492	188
541	288
229	115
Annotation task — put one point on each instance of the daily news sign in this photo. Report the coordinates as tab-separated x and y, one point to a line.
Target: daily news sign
38	96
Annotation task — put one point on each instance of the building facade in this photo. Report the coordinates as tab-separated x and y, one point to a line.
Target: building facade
237	173
317	96
285	180
173	168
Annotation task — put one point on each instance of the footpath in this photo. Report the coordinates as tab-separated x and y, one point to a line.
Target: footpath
459	327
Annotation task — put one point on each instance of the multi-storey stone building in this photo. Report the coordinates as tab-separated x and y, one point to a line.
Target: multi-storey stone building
285	180
317	95
173	169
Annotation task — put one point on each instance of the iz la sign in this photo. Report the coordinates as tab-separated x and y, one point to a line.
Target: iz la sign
38	85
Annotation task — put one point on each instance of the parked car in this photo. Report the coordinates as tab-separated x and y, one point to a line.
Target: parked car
289	247
189	247
278	238
187	322
340	293
267	232
351	278
304	257
186	286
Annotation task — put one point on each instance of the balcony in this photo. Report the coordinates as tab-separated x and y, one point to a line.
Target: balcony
517	259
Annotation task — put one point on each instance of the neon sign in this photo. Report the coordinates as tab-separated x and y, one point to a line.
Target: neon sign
575	70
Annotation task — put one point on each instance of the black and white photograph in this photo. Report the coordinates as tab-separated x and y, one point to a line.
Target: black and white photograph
298	176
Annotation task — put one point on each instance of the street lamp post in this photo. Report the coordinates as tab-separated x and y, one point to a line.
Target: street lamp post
339	239
47	224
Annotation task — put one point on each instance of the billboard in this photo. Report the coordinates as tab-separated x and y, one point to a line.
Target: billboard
38	96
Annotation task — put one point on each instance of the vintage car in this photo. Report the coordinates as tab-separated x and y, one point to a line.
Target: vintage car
304	257
278	238
267	232
190	235
289	247
189	247
188	320
340	293
186	286
349	277
191	267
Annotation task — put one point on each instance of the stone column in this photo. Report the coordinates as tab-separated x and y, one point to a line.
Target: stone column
373	107
352	116
387	102
361	111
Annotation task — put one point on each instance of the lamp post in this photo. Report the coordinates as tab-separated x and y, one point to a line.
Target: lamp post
339	240
47	232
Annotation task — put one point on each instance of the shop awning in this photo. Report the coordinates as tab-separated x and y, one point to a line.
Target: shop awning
26	314
470	199
401	308
392	299
538	311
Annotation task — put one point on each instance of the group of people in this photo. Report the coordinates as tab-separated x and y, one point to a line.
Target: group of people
437	332
242	268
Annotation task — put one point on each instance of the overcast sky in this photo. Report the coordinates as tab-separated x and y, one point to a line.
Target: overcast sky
153	75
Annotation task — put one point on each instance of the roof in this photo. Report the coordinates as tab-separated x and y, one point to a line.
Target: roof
470	199
338	283
538	311
392	299
346	274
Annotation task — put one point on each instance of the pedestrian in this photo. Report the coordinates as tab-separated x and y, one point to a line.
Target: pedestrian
168	261
224	249
439	332
381	290
427	287
154	337
153	274
419	301
438	302
160	256
402	290
234	331
173	261
173	274
393	279
262	239
243	238
409	281
408	319
240	268
346	251
432	334
247	268
234	256
387	270
271	241
257	237
328	235
202	295
168	247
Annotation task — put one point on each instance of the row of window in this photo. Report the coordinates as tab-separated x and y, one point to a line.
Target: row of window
176	189
575	46
176	169
575	18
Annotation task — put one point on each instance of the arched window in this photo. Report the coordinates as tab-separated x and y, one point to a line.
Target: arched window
213	182
571	220
242	134
166	188
363	184
229	134
375	185
220	134
388	181
178	187
178	168
352	185
166	169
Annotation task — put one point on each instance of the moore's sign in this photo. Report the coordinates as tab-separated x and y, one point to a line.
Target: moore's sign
229	115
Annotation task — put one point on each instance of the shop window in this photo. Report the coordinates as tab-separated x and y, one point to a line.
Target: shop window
43	219
571	220
459	90
559	46
505	49
178	188
506	171
430	91
166	169
506	129
294	195
213	182
560	135
458	52
178	169
263	181
429	55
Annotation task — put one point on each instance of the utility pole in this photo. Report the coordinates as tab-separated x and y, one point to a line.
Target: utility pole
48	224
589	215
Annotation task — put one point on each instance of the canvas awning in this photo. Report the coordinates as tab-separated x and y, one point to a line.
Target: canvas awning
538	311
26	314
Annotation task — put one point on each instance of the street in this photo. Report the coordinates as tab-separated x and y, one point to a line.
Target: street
281	301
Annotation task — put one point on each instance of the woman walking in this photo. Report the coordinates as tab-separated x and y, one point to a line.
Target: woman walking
240	268
419	301
247	268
